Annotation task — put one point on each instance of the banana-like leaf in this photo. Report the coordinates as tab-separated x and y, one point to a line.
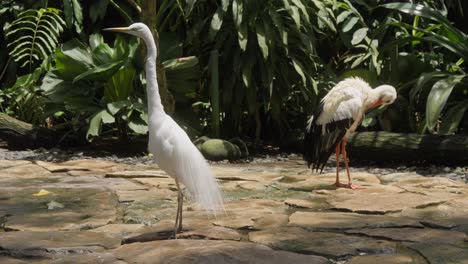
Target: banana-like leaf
101	72
452	118
438	97
120	86
73	15
95	125
34	35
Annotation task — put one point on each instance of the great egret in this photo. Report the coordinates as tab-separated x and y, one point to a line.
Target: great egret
340	113
172	149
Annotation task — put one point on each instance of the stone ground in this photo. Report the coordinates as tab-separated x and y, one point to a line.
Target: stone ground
102	211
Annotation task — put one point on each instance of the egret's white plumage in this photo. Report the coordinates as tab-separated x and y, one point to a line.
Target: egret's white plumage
173	150
340	113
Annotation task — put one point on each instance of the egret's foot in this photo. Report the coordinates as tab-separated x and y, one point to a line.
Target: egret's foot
349	186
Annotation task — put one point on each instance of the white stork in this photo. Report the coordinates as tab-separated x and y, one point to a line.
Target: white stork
340	113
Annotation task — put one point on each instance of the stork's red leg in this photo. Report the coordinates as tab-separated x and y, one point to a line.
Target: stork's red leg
345	159
337	182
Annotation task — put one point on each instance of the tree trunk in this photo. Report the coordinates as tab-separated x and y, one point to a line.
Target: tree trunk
148	16
21	135
385	146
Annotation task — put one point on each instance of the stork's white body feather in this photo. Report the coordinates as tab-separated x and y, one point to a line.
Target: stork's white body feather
340	113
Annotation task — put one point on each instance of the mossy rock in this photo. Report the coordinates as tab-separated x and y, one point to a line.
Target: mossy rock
199	141
242	146
218	149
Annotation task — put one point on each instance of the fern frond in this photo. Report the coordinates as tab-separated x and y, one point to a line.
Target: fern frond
34	35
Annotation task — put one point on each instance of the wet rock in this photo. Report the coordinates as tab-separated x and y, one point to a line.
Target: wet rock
387	259
446	215
46	244
338	220
82	208
399	176
207	251
385	199
441	253
217	149
425	235
330	245
137	174
300	203
119	230
23	171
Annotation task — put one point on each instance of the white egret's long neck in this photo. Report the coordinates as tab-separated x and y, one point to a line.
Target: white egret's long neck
155	107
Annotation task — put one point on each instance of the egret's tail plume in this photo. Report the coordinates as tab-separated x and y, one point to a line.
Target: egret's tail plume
201	183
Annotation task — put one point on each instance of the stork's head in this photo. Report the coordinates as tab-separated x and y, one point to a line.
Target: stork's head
382	95
136	29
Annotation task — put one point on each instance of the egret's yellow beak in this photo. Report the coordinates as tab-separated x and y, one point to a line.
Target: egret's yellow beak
117	29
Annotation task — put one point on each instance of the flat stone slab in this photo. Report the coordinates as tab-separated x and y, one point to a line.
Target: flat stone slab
340	221
208	251
46	244
387	259
137	174
58	209
385	199
423	235
337	246
27	170
441	253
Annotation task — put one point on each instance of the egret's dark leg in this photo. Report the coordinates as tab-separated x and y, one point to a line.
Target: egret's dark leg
181	209
345	158
176	224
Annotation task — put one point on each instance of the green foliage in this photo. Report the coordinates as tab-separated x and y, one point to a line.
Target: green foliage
96	84
266	54
34	35
435	88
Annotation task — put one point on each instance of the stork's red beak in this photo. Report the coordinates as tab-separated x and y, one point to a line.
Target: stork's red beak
374	105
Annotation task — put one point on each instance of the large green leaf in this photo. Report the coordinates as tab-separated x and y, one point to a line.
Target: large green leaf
438	97
427	12
95	124
101	72
120	86
452	118
359	35
73	15
72	59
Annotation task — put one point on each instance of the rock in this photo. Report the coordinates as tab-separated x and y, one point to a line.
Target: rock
46	244
137	174
119	230
199	141
207	251
387	259
242	147
441	253
81	209
270	221
424	235
385	199
23	171
300	203
399	176
54	167
339	221
446	215
330	245
217	149
212	233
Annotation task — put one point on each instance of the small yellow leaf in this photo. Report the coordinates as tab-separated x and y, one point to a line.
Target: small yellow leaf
41	193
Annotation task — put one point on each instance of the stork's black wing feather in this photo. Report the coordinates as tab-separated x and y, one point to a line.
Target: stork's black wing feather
321	140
